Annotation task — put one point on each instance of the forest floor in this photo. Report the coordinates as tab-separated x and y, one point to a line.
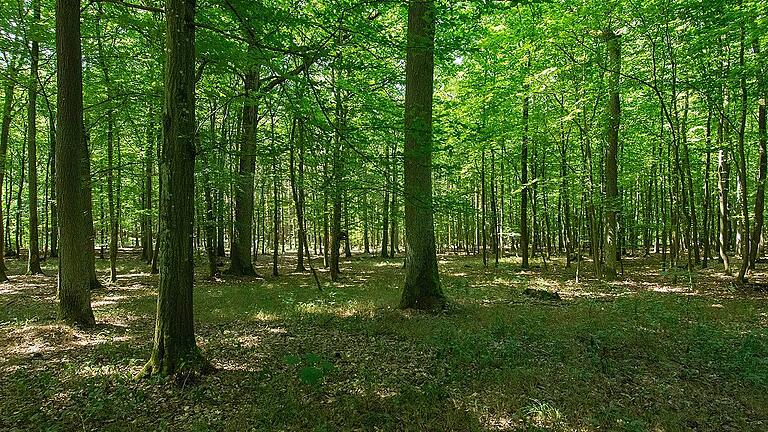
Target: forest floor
652	352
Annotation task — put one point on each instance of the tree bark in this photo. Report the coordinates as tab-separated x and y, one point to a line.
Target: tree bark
757	231
385	212
74	273
4	138
706	204
241	259
611	167
33	263
744	197
174	347
524	180
297	189
422	288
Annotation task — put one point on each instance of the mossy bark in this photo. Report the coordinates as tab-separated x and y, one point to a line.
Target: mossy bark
174	347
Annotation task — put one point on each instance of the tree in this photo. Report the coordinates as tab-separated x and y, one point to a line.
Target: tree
422	282
4	137
74	281
174	345
242	263
611	167
33	263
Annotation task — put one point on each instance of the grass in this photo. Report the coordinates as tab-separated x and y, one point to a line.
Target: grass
653	352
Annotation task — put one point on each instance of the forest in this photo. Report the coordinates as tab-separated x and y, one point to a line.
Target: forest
360	215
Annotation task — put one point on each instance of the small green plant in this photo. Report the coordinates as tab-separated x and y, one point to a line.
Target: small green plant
312	368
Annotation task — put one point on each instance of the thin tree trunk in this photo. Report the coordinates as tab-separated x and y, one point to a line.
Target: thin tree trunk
4	138
276	201
740	278
707	192
483	209
33	263
297	190
385	212
762	165
524	180
611	168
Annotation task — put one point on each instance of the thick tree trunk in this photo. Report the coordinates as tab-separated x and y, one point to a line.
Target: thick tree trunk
611	168
422	282
241	259
174	348
74	273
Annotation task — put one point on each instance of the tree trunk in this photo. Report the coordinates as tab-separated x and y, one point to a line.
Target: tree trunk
422	282
336	177
744	198
88	186
524	181
19	195
174	348
54	241
4	137
33	263
74	274
483	209
723	174
241	259
276	202
757	230
210	213
148	172
706	210
297	189
611	168
385	215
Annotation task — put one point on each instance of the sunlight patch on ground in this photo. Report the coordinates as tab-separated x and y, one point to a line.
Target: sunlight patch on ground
265	316
37	339
109	300
391	264
340	309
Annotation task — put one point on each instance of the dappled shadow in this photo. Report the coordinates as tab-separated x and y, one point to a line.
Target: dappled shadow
642	353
